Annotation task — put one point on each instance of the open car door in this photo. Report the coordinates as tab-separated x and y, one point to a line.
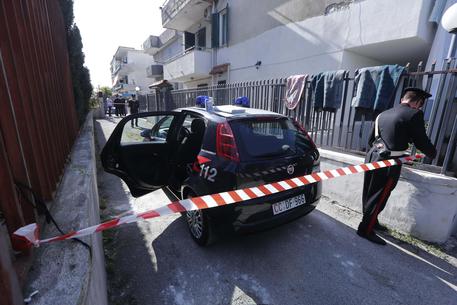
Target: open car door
140	153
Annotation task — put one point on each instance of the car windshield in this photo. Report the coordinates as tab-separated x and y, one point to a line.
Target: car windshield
268	138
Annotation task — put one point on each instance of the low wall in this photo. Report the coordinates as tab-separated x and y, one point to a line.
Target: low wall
423	204
67	272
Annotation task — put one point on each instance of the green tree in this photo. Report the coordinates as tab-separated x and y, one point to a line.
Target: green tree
106	91
82	88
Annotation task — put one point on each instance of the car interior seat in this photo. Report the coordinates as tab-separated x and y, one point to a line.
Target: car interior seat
191	145
188	150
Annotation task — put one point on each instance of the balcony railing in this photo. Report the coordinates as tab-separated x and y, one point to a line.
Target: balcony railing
194	63
116	67
153	42
170	8
182	14
154	71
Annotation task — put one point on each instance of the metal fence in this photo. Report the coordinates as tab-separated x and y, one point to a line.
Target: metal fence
347	128
38	122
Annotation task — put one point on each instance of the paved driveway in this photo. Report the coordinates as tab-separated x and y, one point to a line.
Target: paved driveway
314	260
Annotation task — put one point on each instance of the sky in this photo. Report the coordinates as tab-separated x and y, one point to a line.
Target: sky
107	24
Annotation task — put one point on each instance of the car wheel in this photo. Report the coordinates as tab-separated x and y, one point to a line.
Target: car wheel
199	225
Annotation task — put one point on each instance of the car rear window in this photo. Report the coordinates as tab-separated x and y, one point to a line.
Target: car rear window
268	137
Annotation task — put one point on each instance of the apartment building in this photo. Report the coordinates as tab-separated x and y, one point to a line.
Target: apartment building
129	71
238	40
164	48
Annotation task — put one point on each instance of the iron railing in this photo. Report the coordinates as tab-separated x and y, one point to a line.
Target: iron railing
170	9
348	128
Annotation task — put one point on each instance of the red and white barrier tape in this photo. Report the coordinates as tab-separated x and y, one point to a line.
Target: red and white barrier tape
30	233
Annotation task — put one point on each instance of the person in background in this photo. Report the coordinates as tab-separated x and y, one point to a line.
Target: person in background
122	103
134	106
392	132
109	105
117	103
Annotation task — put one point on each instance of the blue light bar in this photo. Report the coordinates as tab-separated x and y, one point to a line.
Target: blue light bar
201	100
242	101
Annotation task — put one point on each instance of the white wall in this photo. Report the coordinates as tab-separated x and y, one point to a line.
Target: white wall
322	42
137	64
422	204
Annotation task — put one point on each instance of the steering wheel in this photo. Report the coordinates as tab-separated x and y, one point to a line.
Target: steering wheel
183	133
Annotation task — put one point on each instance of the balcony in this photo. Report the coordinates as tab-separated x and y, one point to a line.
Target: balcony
115	67
154	71
124	88
182	14
193	64
152	44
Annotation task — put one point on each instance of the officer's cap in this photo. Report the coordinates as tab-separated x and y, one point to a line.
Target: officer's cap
418	91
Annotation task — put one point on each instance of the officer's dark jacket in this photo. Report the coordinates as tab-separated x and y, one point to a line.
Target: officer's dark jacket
401	125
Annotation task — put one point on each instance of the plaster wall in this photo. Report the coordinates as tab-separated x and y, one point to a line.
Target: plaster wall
254	17
172	49
373	31
137	64
194	64
423	204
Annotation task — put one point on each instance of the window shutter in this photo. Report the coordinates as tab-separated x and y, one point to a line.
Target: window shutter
215	30
227	26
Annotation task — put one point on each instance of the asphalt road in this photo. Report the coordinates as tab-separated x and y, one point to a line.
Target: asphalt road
317	259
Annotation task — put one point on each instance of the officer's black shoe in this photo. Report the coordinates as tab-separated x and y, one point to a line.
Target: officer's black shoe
372	237
380	227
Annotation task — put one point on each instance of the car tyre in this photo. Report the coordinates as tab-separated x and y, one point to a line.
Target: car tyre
199	225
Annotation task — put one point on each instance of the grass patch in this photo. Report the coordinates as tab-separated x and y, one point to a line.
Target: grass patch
432	248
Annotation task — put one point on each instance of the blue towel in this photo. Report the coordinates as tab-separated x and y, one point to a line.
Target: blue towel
327	90
317	89
333	89
376	87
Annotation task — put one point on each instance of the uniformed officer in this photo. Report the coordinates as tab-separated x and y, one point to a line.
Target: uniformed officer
392	132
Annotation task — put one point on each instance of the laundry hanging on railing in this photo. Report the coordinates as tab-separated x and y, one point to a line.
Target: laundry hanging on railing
295	86
327	90
376	86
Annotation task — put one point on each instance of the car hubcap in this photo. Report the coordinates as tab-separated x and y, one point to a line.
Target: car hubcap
195	222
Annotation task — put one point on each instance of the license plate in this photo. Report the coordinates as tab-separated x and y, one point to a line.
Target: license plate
288	204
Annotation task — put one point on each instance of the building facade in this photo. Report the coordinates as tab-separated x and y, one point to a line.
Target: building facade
230	41
129	68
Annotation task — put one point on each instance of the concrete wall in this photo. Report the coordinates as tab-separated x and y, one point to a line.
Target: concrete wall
137	65
65	272
254	17
173	48
194	64
423	204
374	31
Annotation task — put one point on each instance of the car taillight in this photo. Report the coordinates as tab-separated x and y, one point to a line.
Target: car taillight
225	142
303	130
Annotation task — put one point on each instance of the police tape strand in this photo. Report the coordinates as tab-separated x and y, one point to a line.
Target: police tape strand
30	233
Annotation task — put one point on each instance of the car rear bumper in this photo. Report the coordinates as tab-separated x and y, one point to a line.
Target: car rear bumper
275	220
257	214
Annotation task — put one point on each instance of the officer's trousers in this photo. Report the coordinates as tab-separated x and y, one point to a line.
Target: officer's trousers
377	186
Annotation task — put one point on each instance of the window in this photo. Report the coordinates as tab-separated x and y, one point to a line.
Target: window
189	40
223	28
150	129
200	38
268	137
219	29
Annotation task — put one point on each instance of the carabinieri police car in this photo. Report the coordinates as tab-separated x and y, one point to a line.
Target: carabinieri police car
206	149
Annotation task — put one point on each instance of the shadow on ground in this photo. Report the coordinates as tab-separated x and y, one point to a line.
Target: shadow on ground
314	260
